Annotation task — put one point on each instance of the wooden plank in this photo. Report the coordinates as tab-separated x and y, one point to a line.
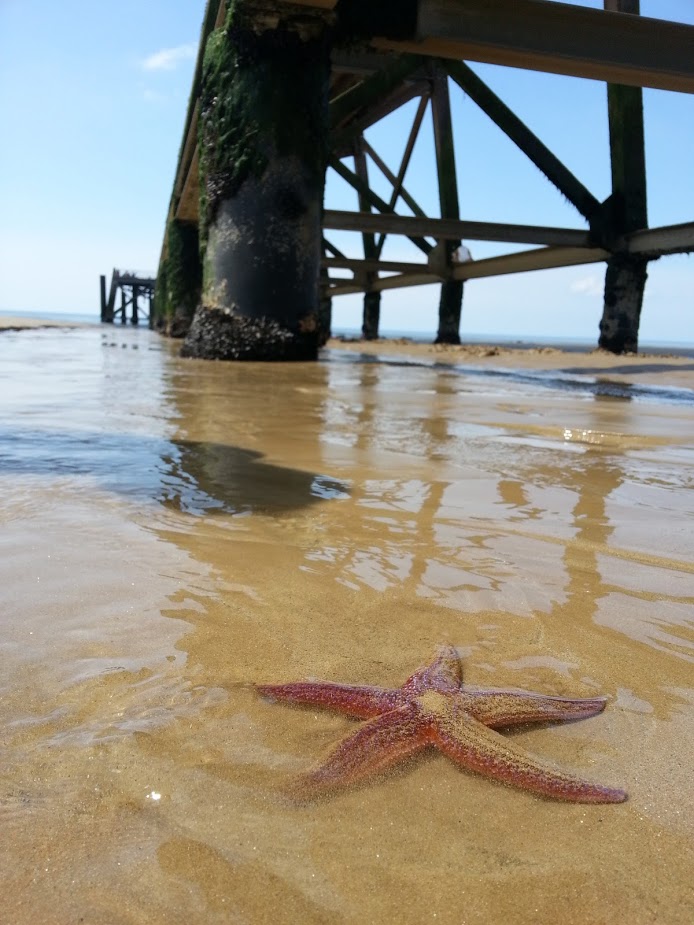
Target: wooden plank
550	36
450	229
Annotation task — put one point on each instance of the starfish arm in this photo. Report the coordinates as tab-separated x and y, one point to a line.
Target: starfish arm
475	747
444	674
379	744
360	702
497	708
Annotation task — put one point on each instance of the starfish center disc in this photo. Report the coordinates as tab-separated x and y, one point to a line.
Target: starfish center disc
432	702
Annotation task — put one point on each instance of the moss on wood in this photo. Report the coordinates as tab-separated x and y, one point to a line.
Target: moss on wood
262	96
179	281
183	274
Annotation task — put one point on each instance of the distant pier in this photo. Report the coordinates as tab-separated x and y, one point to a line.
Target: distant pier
125	293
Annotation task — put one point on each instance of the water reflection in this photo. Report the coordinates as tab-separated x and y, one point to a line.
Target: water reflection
197	477
205	477
361	514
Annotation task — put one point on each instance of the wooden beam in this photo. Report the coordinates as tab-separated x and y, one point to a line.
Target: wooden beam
545	35
189	150
397	185
443	143
104	304
451	299
657	242
328	246
188	205
372	89
627	146
372	300
449	229
405	162
342	139
361	169
625	210
520	135
333	291
362	63
374	200
541	258
383	266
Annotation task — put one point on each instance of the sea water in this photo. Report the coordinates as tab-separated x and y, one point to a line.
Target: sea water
174	532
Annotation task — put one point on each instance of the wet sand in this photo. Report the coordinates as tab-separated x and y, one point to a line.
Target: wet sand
21	323
650	367
174	532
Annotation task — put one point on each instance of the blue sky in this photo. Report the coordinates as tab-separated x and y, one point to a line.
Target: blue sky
92	103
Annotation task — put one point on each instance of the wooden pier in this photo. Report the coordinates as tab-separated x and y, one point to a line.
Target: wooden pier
131	288
283	91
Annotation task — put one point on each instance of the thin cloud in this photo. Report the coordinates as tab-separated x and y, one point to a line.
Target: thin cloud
588	285
153	96
168	59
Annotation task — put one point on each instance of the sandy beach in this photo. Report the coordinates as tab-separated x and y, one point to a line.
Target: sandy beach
176	532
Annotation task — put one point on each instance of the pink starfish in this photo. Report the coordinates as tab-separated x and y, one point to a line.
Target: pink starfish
433	708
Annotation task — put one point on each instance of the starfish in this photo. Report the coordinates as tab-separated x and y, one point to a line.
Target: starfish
434	708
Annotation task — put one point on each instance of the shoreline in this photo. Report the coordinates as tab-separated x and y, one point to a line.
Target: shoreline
645	368
650	367
20	323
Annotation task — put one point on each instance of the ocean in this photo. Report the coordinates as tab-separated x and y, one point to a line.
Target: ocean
176	532
569	344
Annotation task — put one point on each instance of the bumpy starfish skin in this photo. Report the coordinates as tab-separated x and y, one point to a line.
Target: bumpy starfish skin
433	708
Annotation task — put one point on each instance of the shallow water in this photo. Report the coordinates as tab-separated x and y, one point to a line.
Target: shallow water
175	531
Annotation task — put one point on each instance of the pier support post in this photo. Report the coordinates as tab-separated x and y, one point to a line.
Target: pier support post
372	299
451	301
325	309
263	153
182	277
104	304
135	316
625	278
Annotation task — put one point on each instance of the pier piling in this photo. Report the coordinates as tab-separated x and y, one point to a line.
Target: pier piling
263	145
451	299
626	274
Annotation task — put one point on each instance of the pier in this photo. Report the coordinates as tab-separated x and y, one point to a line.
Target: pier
284	91
131	287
